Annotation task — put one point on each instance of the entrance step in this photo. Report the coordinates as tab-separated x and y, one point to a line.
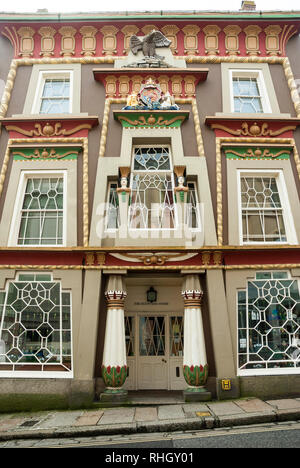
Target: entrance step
155	397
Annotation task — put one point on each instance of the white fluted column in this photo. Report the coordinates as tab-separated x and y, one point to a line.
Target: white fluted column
195	367
114	364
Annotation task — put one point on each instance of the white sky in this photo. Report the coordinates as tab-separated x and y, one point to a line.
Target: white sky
64	6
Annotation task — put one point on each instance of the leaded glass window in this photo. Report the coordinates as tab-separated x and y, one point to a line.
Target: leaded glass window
55	97
246	95
113	207
152	189
269	324
192	207
152	336
176	336
262	211
35	327
42	212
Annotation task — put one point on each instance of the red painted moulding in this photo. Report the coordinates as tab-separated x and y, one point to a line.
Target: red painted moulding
237	126
49	127
263	257
45	257
289	28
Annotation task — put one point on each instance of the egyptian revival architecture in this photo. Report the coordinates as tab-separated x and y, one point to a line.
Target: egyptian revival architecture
149	206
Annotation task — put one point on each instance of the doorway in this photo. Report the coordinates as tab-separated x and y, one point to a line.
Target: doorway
154	344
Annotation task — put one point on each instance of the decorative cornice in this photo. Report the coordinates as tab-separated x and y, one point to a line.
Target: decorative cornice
50	127
151	118
258	153
253	127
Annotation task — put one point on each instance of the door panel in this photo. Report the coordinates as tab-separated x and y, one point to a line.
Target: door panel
154	345
152	367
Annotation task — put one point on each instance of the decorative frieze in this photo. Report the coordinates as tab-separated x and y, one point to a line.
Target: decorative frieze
128	31
252	40
67	41
160	119
257	153
252	129
26	34
44	154
83	39
232	39
47	34
191	39
272	40
88	40
109	40
211	39
170	31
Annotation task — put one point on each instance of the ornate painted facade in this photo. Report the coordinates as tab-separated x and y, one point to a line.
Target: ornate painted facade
149	205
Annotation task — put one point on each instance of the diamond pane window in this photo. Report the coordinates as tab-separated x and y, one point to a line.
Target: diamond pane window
176	336
113	207
55	98
152	336
152	190
192	207
129	335
246	95
42	212
262	211
35	331
152	159
269	324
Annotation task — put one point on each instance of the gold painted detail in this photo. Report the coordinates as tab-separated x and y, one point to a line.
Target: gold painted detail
152	121
48	130
255	130
44	154
258	153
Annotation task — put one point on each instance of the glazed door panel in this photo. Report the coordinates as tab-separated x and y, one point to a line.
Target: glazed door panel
153	352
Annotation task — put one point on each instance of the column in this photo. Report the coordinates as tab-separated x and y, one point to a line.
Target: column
195	367
114	365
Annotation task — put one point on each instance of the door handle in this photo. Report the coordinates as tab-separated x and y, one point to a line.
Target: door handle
163	360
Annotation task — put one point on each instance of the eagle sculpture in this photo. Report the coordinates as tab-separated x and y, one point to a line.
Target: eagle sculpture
148	44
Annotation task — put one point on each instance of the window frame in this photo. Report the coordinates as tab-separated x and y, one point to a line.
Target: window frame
284	199
258	75
265	73
41	373
52	74
17	210
265	370
197	208
158	171
106	222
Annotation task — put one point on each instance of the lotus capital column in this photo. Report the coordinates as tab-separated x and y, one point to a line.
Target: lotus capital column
195	367
114	365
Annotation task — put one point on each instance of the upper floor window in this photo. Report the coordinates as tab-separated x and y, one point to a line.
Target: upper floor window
39	210
53	93
55	97
112	212
152	189
248	92
192	207
246	95
264	208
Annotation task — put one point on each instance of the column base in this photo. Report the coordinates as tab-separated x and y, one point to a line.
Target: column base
196	394
114	396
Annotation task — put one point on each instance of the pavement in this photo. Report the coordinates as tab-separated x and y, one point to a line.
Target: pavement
146	418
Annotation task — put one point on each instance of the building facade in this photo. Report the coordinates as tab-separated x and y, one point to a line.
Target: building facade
149	206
